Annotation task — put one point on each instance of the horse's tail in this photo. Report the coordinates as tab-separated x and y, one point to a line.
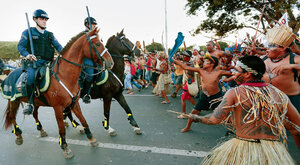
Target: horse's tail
11	112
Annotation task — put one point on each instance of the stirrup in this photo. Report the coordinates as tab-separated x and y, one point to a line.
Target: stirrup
28	110
86	98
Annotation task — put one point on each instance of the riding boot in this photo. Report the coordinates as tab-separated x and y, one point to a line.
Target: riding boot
87	88
30	95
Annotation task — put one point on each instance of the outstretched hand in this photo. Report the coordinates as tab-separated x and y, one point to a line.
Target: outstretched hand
195	118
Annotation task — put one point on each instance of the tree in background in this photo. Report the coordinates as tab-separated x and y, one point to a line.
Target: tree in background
202	48
226	16
8	50
223	45
158	47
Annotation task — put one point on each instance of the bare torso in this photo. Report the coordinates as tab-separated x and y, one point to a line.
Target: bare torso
284	81
210	82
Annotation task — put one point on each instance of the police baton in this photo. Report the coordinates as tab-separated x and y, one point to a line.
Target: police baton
30	39
89	18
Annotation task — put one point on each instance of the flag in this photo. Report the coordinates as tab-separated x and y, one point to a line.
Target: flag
218	46
178	42
283	20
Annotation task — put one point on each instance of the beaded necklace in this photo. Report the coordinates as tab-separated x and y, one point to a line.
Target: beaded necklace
280	58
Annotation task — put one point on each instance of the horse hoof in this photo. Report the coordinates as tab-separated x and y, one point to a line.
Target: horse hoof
94	142
80	129
111	131
137	130
66	124
19	140
68	154
43	133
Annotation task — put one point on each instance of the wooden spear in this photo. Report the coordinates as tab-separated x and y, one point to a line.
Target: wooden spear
253	43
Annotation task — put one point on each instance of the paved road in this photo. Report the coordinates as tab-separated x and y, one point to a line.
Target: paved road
161	141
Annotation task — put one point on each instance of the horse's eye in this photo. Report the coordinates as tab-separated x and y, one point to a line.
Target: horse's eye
98	44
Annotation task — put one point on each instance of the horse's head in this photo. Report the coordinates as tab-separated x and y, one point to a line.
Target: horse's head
123	45
96	51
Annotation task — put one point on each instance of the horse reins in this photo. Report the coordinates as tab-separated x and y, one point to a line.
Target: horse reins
91	45
124	44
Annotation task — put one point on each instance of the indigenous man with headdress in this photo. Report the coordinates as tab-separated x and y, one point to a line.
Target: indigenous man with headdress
282	69
211	95
258	112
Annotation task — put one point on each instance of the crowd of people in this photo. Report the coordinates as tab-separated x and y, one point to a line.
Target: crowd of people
263	82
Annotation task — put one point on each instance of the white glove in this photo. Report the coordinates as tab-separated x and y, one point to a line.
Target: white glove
31	57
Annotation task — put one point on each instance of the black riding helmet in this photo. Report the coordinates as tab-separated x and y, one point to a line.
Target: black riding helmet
40	13
86	21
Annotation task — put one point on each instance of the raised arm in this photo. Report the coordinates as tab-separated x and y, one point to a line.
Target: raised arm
185	67
220	113
225	73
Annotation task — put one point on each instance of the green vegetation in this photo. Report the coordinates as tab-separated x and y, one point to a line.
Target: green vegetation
158	47
8	50
228	16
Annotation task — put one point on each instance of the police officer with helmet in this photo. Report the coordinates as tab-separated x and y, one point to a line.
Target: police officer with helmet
44	44
88	78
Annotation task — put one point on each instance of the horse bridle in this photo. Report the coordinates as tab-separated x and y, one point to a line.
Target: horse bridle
126	45
99	57
92	46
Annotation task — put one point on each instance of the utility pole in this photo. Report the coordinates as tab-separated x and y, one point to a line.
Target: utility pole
166	28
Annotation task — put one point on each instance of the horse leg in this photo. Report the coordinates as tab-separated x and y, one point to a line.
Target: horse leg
107	103
10	119
66	124
121	99
75	124
18	132
39	126
62	132
78	113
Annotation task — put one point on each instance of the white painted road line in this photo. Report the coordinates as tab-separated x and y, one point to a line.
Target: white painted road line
133	148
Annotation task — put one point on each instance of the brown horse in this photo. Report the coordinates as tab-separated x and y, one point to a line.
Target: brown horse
117	45
64	86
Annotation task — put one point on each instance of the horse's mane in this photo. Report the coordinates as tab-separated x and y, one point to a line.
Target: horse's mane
109	40
71	41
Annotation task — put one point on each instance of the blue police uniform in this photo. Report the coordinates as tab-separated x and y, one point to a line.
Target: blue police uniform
44	44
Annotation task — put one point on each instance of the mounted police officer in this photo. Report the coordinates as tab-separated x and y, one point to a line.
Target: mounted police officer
44	44
88	78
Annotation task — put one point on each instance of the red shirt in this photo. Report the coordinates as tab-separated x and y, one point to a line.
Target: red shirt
148	63
132	69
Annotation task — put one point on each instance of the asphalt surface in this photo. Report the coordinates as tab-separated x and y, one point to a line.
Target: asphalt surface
161	141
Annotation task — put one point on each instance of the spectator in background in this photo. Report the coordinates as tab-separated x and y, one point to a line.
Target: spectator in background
128	78
163	85
178	74
148	70
186	95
